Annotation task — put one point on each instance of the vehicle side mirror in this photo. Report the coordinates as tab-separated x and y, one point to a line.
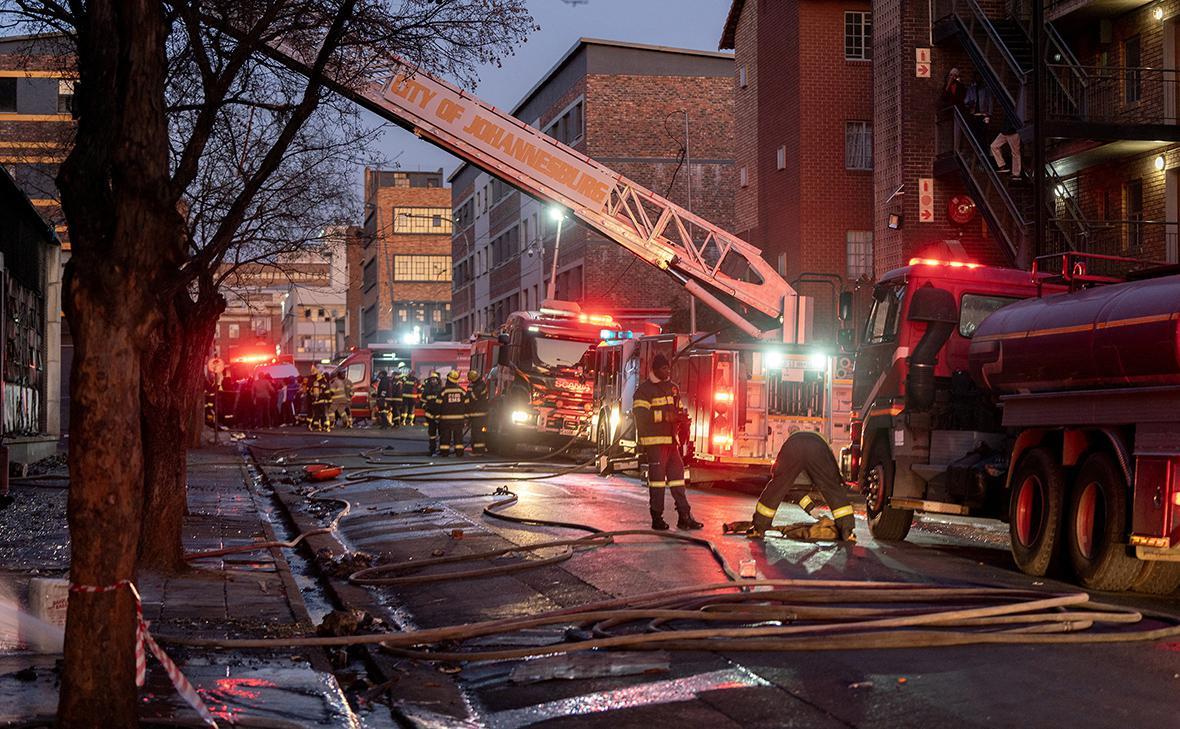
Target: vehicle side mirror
846	338
845	312
502	339
502	356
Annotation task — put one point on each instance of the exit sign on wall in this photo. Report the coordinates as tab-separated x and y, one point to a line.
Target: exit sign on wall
925	199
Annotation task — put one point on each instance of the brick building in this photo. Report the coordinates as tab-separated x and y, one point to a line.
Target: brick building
1111	178
36	132
803	109
405	265
624	105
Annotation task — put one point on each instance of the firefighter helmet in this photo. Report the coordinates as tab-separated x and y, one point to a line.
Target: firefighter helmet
453	376
472	375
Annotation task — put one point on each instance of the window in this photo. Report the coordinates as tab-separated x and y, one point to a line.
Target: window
65	96
743	80
7	94
430	221
858	145
780	158
568	127
883	318
1133	79
744	177
1133	204
860	253
858	36
234	331
368	277
421	268
976	307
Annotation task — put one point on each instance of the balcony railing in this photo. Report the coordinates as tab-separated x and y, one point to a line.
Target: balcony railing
1112	94
989	50
1150	239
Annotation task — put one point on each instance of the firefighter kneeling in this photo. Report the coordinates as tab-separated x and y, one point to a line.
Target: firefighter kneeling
805	451
657	411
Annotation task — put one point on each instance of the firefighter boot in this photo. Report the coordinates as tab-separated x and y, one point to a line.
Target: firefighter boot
658	523
686	522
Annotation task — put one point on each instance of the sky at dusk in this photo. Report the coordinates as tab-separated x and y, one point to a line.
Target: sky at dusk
682	23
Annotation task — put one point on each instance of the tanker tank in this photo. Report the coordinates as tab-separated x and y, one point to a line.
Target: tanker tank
1119	335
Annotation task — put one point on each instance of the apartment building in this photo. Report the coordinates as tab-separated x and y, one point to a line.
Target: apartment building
626	105
405	281
315	314
803	112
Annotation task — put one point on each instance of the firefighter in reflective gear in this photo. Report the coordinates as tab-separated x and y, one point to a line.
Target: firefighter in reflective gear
656	408
431	390
378	388
341	408
452	415
321	400
410	389
393	399
806	451
477	411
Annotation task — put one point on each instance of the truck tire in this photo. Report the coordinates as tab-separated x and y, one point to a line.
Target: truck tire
885	523
1096	526
1157	577
1035	512
602	447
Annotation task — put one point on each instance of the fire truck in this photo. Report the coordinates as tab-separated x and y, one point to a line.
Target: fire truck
741	402
1050	400
540	373
362	365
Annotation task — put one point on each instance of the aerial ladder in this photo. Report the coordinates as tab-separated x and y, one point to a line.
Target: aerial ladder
720	269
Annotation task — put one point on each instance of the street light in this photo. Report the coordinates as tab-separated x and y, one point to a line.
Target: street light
556	213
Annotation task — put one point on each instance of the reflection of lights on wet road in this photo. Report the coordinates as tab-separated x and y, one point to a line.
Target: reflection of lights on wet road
232	690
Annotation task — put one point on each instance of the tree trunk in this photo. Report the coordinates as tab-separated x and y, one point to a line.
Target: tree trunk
173	385
105	499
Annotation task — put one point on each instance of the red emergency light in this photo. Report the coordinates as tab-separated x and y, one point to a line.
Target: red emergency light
937	262
252	358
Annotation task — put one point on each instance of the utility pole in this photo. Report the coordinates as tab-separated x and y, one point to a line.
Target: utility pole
559	215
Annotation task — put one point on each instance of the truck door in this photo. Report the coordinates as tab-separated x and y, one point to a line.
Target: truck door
879	343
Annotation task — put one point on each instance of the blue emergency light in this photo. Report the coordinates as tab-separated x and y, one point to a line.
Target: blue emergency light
608	334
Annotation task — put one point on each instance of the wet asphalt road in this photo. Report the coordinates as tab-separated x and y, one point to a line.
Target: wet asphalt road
974	686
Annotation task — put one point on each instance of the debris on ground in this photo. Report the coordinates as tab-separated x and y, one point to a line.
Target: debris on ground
348	622
344	565
51	464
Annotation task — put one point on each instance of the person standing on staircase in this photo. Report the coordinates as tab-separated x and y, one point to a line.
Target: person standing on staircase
657	410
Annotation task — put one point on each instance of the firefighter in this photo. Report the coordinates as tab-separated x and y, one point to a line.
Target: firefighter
806	451
657	409
321	399
341	407
378	388
431	390
452	415
477	411
410	389
393	398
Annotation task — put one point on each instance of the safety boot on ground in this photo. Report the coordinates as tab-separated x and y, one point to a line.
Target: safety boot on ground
686	522
658	523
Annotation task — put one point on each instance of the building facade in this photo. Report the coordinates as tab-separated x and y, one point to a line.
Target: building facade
1107	129
315	315
803	108
406	264
36	133
625	105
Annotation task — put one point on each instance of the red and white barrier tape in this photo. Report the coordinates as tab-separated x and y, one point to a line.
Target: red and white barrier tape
144	639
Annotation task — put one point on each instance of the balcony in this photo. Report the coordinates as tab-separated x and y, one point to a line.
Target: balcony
1112	103
1145	239
1089	10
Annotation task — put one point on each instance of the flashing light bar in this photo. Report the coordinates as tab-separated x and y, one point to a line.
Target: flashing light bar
937	262
600	319
253	358
609	334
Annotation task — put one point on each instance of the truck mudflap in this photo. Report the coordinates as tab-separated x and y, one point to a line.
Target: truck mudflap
1155	520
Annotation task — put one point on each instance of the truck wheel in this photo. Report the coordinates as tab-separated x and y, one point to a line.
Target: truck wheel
1035	512
602	448
886	523
1096	532
1157	577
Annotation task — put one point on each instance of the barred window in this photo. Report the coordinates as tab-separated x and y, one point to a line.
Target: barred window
431	221
858	36
421	268
860	253
858	145
65	96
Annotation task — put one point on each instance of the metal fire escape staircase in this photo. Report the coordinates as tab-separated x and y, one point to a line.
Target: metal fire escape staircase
1001	52
723	271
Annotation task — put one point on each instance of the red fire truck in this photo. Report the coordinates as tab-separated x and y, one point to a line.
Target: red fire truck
1050	400
540	372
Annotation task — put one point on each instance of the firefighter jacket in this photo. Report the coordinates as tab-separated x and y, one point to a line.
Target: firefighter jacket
452	404
477	398
656	409
341	390
393	388
320	391
431	391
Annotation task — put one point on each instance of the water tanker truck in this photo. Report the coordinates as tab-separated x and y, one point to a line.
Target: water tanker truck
1050	400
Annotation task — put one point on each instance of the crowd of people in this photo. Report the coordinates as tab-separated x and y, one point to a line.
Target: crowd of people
323	402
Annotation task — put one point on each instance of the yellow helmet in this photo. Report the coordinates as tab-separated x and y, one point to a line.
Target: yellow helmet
453	376
472	375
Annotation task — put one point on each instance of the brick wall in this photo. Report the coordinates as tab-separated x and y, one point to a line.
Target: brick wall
746	106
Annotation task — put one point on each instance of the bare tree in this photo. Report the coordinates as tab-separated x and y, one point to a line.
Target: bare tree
141	289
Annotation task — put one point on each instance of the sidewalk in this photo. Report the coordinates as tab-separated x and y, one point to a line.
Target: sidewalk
251	594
